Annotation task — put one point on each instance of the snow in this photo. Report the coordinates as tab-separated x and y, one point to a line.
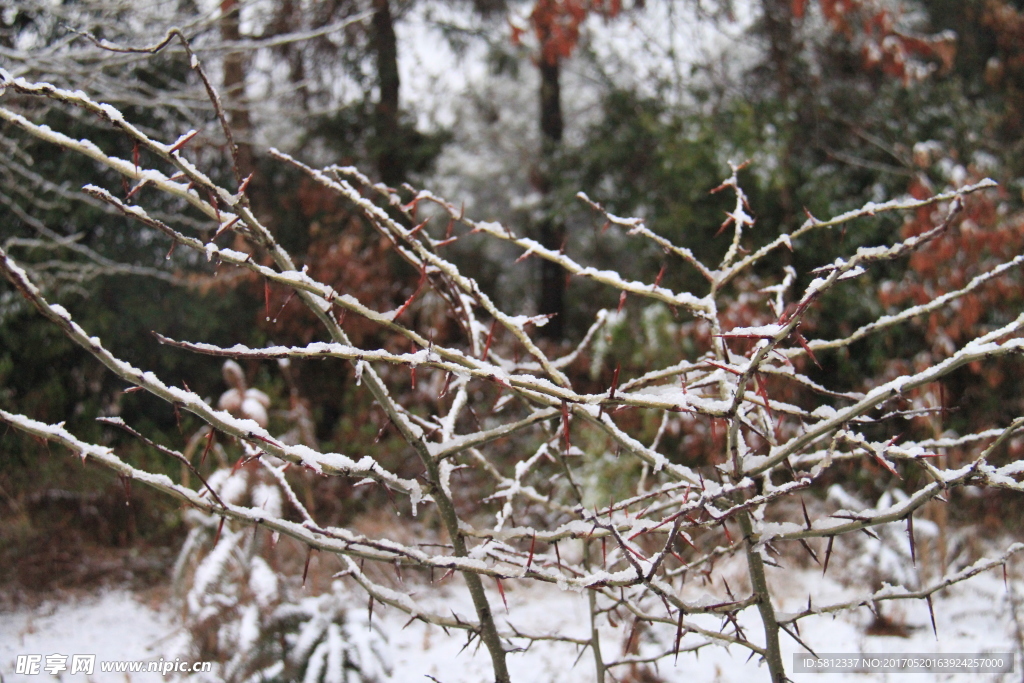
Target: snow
973	617
112	625
768	331
262	582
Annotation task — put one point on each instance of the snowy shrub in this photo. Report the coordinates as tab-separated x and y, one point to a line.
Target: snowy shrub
257	625
522	469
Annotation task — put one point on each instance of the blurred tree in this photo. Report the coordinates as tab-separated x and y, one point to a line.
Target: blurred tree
556	24
831	118
830	110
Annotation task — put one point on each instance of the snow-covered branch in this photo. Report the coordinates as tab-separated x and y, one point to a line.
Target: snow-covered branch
518	455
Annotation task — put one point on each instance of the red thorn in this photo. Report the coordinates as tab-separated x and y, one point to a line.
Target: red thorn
209	443
565	424
184	140
305	569
501	590
490	338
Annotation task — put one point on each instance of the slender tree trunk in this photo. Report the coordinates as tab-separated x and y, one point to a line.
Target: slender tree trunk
390	157
234	87
783	53
288	18
551	230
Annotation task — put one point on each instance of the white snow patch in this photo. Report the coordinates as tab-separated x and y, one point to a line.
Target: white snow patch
111	625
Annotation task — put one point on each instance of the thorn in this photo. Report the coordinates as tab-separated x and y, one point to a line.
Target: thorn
245	184
565	424
501	590
522	257
209	444
408	302
931	613
807	348
679	635
412	206
661	274
418	228
615	381
628	647
828	554
497	397
881	461
490	338
724	225
580	655
391	496
287	301
266	297
226	226
810	551
724	367
183	140
910	535
305	568
212	199
126	481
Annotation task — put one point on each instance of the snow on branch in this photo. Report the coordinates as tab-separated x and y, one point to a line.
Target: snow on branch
533	470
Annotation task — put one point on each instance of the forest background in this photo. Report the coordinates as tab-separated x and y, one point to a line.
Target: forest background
512	109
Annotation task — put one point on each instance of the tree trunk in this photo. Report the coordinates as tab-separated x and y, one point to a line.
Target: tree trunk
390	159
551	231
783	52
234	87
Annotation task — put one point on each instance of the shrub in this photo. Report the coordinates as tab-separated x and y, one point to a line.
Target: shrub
715	452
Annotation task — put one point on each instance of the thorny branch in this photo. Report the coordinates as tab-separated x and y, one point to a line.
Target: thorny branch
641	555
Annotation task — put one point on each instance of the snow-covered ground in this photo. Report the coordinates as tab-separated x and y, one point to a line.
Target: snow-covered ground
974	617
112	625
